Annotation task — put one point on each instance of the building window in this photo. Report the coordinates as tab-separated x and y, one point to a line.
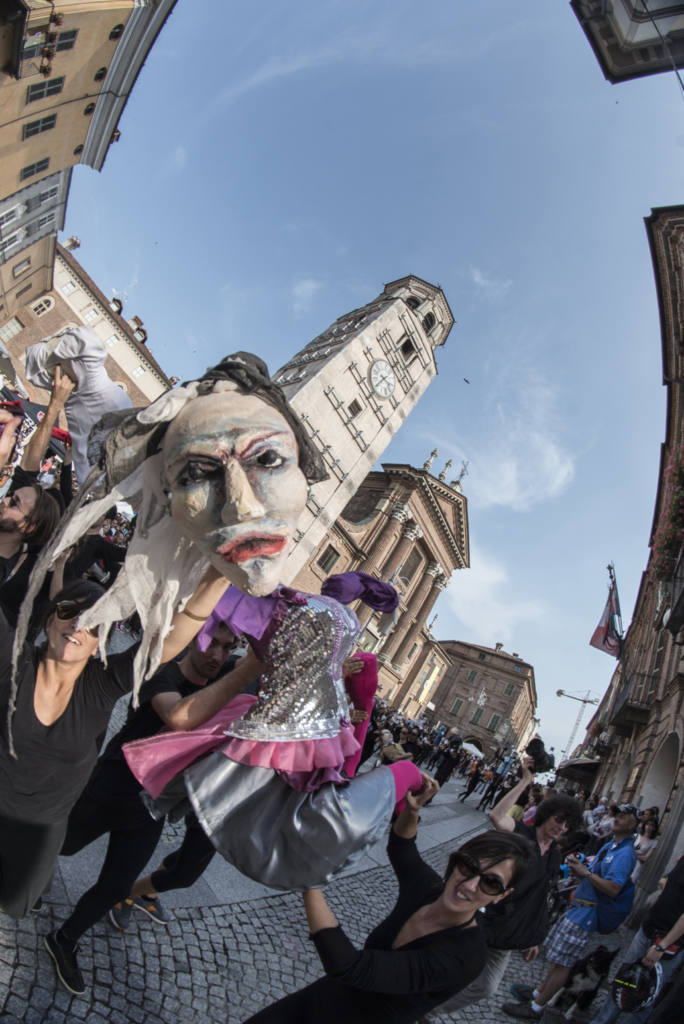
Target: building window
90	315
42	305
10	242
116	32
408	350
66	40
354	408
472	676
11	329
111	340
36	168
39	90
413	302
100	73
139	370
477	716
328	558
493	722
89	109
68	287
481	656
45	221
19	268
408	569
428	322
456	707
48	194
509	689
9	215
78	149
43	124
22	291
517	668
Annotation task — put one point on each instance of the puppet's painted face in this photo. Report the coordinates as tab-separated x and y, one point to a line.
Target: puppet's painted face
231	466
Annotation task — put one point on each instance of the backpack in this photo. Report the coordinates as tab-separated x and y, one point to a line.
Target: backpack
610	913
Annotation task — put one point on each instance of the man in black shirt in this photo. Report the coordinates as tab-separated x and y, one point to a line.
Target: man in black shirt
657	941
177	696
521	921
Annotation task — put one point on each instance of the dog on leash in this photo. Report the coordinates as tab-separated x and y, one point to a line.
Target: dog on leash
586	978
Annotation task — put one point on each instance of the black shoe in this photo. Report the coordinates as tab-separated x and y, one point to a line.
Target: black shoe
66	963
522	1011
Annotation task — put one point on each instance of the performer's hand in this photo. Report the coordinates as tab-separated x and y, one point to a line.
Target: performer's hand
352	666
357	716
527	769
62	387
429	789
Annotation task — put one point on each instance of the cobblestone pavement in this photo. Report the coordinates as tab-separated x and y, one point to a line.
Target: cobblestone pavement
215	961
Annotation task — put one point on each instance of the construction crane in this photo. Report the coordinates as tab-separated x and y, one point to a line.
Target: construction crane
583	702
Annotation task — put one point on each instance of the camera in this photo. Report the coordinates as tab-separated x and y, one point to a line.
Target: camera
543	761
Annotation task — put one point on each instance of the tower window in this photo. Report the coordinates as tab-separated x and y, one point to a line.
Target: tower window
89	109
100	73
408	350
428	322
413	302
116	32
354	408
328	559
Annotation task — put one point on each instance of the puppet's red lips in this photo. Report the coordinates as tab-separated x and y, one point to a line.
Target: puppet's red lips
253	546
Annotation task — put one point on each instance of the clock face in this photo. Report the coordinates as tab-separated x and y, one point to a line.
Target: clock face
382	379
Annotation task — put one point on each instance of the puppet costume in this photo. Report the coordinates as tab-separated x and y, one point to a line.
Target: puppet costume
272	790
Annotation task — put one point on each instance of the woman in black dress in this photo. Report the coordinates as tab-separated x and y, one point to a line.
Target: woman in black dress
428	948
49	731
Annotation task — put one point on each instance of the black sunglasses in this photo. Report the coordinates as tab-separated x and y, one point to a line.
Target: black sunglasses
65	610
489	884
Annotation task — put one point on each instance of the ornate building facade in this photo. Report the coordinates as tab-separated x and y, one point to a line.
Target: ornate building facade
632	38
355	384
68	73
635	741
411	527
76	299
487	695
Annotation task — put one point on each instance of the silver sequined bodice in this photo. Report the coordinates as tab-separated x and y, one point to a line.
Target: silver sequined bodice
302	696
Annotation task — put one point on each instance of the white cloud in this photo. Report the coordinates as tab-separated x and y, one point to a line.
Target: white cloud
516	456
180	157
492	287
302	294
485	602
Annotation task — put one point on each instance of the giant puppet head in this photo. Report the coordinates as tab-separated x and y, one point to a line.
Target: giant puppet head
219	468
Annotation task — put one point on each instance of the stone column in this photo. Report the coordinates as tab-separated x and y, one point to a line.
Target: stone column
411	533
384	544
388	537
413	632
415	602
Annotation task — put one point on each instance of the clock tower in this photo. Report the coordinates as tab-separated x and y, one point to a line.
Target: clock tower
354	385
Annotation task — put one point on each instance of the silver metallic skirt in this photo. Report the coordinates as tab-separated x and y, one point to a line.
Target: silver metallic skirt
280	836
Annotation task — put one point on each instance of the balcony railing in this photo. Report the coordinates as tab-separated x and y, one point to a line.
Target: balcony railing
632	704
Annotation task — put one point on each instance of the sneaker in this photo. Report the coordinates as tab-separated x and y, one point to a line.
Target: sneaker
522	1011
523	993
151	905
120	914
66	963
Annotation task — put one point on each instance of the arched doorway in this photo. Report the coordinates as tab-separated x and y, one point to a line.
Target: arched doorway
661	776
618	781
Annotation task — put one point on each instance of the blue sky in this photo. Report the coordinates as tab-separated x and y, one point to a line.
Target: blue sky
278	164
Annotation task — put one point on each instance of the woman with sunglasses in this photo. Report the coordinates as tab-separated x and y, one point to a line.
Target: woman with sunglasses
429	947
49	734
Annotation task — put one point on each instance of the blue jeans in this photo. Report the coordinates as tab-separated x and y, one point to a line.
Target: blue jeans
635	951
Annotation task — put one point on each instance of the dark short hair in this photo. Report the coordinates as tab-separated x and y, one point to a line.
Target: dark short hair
42	520
557	806
497	847
84	592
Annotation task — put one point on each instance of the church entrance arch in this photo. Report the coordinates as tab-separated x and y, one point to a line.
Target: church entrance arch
475	742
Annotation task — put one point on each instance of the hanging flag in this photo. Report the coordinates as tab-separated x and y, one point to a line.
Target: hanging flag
608	634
